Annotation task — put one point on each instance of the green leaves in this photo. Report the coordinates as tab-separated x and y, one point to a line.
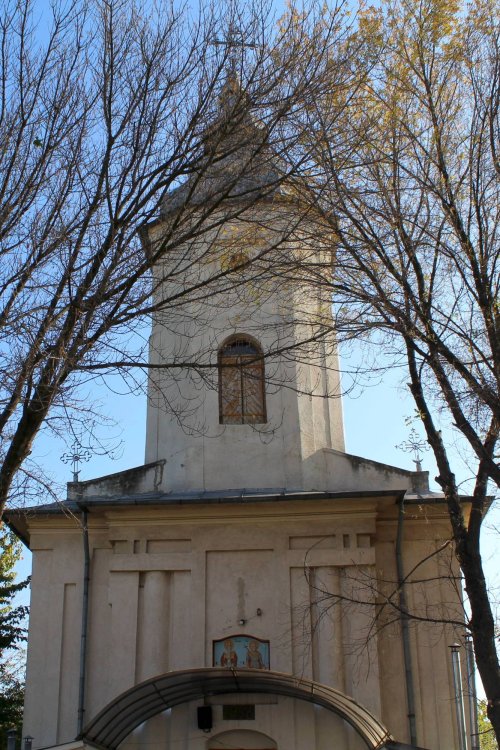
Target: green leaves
12	636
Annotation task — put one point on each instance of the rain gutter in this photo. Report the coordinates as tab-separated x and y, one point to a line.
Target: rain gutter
405	633
84	628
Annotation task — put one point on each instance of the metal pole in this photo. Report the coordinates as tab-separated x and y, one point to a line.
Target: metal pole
85	617
405	632
11	738
471	688
459	703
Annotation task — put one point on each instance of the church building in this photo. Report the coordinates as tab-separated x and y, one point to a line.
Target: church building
247	587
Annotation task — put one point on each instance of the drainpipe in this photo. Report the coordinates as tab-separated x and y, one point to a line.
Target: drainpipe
459	701
85	610
471	684
11	738
405	633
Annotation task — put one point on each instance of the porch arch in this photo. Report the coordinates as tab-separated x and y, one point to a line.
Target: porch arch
143	701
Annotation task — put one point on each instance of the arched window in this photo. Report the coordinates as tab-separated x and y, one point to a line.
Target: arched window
242	395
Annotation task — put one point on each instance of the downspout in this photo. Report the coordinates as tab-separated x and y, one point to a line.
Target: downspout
405	633
471	685
85	610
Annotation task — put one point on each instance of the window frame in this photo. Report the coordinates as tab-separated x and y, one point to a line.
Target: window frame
255	360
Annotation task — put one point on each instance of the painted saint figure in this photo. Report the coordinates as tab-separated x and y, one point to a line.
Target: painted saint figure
254	657
229	657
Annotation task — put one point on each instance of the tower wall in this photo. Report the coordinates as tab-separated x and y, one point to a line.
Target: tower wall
271	300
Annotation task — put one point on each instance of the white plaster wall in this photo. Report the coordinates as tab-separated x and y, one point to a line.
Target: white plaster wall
282	723
51	699
168	581
183	414
336	471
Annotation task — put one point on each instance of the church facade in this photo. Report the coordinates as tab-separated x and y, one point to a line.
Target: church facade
246	587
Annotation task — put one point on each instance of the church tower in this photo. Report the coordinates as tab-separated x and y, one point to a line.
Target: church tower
241	590
266	405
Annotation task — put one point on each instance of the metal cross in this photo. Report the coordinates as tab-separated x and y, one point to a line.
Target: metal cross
233	40
78	455
414	445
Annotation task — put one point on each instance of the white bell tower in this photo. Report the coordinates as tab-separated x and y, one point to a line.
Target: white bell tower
246	411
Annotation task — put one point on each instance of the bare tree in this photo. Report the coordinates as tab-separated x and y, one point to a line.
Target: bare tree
109	117
408	188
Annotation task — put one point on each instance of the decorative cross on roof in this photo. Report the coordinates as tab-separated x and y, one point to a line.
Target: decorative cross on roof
233	40
416	446
77	455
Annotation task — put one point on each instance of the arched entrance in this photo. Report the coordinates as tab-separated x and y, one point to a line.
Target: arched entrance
143	701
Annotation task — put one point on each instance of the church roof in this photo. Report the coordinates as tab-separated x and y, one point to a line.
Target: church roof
238	161
18	519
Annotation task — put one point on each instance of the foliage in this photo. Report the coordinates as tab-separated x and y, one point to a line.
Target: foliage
486	735
391	132
114	108
409	188
12	637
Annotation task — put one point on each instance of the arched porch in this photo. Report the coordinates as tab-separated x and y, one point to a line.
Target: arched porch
149	698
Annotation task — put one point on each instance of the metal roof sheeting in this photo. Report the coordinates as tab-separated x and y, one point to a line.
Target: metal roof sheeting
143	701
